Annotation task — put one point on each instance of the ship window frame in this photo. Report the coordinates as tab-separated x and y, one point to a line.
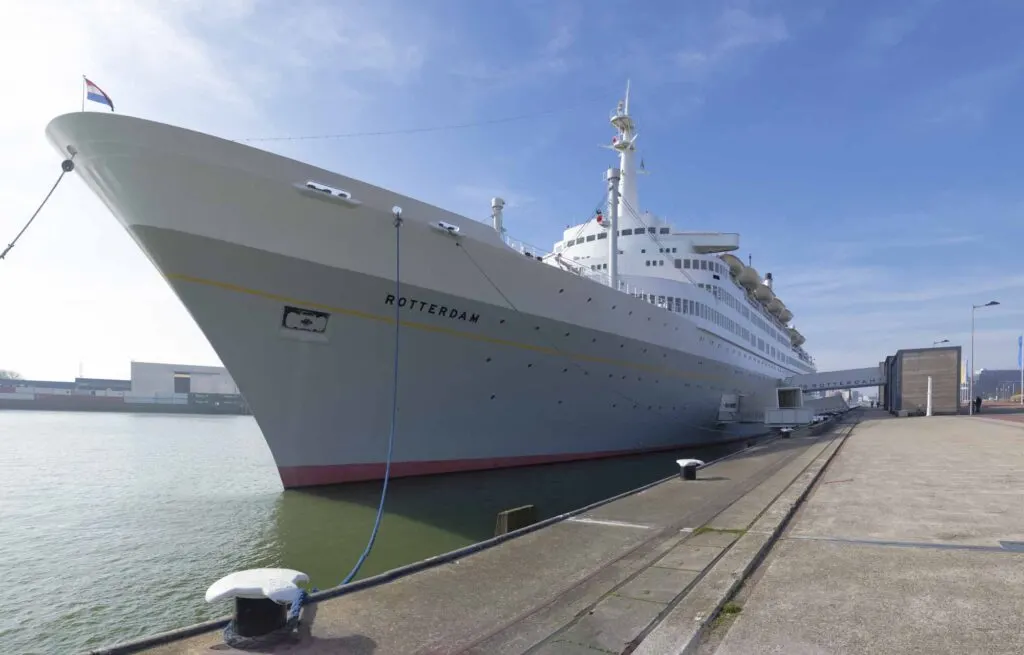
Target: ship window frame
664	230
602	235
591	237
679	263
686	264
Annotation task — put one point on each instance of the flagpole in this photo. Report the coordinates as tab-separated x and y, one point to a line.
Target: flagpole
82	93
1020	363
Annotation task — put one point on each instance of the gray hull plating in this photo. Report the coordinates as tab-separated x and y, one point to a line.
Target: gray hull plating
479	385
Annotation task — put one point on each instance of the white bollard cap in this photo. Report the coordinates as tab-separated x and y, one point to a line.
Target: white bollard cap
279	585
683	463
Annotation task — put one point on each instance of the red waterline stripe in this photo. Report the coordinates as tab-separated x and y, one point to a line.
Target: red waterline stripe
311	476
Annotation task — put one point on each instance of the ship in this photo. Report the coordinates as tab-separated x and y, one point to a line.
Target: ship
327	297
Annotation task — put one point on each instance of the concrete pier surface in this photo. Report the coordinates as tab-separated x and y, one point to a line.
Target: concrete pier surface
912	542
598	582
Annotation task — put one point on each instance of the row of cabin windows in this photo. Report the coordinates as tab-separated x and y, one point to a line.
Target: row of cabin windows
702	265
701	310
743	308
623	233
745	311
740	331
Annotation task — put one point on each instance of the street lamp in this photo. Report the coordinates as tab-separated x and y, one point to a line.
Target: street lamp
935	343
970	395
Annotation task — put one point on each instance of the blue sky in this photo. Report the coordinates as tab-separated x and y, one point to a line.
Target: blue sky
869	153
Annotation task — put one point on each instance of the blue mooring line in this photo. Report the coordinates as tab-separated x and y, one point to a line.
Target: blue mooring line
394	410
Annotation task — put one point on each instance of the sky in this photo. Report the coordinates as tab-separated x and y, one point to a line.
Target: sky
868	153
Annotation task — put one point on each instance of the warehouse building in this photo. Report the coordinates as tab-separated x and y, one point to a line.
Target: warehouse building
155	380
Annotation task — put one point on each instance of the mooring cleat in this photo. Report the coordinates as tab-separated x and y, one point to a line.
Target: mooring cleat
262	597
688	468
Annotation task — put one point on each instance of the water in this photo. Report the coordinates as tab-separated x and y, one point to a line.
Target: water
112	526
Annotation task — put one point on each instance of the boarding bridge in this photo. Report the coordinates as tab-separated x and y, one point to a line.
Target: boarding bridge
849	379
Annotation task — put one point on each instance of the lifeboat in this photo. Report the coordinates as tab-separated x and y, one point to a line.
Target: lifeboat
785	315
749	278
797	338
735	265
775	306
764	293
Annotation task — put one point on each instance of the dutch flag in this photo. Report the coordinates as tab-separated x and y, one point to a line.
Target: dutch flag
96	94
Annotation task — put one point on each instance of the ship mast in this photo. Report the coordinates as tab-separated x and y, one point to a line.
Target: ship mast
623	143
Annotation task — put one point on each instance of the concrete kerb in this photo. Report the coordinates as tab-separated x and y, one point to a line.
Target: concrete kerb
162	638
681	630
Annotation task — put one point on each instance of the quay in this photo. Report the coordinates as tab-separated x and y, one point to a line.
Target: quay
877	535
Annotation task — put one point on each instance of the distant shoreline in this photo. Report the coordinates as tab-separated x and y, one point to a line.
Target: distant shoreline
115	405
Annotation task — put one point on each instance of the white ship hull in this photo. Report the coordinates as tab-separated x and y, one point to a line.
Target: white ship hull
572	369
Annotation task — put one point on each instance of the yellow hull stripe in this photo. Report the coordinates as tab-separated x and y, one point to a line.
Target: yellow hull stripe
227	286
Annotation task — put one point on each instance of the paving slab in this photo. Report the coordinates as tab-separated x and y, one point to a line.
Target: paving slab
681	629
900	548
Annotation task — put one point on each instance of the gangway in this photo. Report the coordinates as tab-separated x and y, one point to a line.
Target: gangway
852	378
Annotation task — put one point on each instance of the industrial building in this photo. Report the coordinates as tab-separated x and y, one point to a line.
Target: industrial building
907	374
153	387
997	384
151	379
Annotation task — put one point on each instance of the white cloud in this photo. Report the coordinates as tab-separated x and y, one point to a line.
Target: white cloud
733	31
968	99
890	31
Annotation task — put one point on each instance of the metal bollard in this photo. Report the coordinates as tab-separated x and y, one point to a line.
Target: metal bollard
688	468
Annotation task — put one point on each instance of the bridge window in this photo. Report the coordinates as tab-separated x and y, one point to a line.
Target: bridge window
677	304
678	262
703	265
664	230
602	235
591	237
650	230
627	232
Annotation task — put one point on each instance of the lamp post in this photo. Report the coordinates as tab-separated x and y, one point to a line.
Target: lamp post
935	343
970	394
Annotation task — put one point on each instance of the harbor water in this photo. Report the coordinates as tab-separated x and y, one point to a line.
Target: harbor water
112	526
